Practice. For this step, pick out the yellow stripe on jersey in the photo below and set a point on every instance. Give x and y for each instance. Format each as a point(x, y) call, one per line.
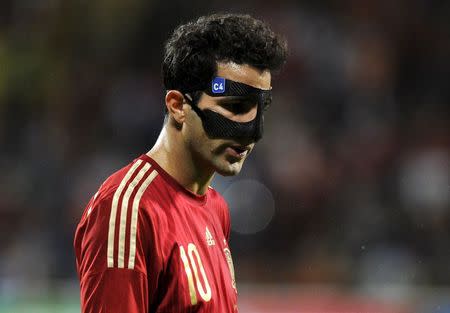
point(124, 211)
point(134, 215)
point(112, 218)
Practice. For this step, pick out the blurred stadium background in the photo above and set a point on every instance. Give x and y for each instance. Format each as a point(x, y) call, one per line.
point(343, 207)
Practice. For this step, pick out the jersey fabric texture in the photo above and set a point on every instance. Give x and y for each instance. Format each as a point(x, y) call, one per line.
point(147, 244)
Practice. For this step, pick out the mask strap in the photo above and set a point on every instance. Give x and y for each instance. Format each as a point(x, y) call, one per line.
point(192, 98)
point(222, 87)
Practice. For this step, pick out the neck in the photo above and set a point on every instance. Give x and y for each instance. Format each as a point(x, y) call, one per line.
point(172, 154)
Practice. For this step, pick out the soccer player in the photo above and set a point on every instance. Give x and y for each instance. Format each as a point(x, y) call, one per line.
point(154, 238)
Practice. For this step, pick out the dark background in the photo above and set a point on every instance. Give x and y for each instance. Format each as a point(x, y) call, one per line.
point(355, 159)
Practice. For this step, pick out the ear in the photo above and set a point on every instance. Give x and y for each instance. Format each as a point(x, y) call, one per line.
point(174, 104)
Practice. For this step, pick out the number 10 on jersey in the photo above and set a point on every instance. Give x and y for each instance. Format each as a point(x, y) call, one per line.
point(190, 265)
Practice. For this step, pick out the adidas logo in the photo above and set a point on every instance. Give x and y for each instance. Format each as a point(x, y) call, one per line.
point(209, 238)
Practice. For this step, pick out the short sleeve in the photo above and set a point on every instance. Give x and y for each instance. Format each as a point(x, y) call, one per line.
point(115, 251)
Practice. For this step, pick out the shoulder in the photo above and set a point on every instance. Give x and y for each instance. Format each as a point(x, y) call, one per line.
point(113, 225)
point(216, 198)
point(127, 185)
point(116, 202)
point(219, 205)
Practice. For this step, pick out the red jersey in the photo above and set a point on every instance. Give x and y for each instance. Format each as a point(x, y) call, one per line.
point(147, 244)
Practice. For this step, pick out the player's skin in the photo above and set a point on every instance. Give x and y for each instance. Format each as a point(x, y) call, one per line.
point(184, 150)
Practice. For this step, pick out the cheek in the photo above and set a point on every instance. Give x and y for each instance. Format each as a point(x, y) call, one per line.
point(198, 132)
point(198, 139)
point(193, 125)
point(194, 133)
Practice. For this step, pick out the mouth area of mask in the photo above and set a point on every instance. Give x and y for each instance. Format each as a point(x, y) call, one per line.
point(218, 126)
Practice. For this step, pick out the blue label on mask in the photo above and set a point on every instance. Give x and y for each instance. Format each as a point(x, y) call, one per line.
point(218, 85)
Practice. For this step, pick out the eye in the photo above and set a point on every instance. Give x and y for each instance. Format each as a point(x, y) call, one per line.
point(238, 107)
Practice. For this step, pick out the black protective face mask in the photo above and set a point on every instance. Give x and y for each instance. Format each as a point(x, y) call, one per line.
point(218, 126)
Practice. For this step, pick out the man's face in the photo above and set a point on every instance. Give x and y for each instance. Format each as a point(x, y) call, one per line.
point(225, 156)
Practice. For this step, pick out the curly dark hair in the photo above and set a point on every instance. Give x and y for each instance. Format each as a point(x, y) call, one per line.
point(193, 50)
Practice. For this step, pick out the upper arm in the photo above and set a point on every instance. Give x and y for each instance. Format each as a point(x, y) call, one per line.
point(115, 250)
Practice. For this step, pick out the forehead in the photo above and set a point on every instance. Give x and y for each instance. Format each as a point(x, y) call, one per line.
point(244, 73)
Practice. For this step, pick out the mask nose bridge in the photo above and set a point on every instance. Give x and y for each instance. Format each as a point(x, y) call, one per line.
point(218, 126)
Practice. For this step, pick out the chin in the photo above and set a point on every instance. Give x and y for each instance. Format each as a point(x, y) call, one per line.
point(229, 169)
